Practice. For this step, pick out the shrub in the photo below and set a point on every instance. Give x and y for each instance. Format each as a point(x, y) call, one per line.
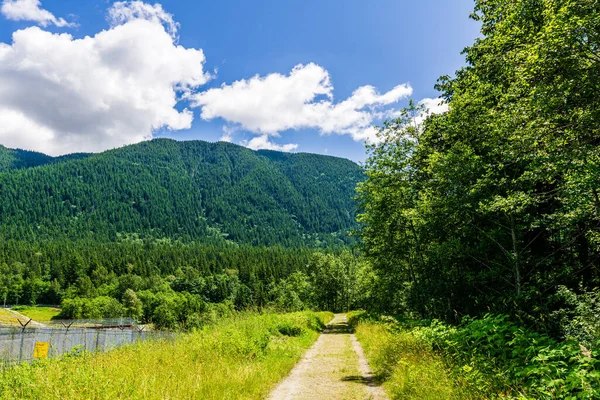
point(407, 365)
point(164, 317)
point(488, 357)
point(96, 308)
point(287, 328)
point(493, 353)
point(355, 317)
point(579, 319)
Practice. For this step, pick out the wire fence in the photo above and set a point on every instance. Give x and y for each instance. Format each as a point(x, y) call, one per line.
point(106, 323)
point(25, 343)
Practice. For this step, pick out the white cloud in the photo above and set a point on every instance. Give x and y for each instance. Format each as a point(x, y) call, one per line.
point(14, 123)
point(122, 12)
point(432, 106)
point(31, 10)
point(228, 132)
point(303, 99)
point(263, 143)
point(59, 94)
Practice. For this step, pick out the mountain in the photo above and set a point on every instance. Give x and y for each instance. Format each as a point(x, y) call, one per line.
point(13, 159)
point(189, 191)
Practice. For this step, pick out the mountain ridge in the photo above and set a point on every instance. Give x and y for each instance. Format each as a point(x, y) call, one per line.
point(191, 190)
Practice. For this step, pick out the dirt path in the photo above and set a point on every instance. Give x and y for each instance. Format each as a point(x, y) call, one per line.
point(333, 368)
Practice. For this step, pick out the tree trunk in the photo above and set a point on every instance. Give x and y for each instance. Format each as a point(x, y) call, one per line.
point(515, 253)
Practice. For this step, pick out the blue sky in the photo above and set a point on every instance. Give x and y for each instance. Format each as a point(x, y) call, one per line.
point(383, 43)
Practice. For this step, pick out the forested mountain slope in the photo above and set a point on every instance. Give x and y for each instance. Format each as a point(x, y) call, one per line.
point(13, 159)
point(207, 192)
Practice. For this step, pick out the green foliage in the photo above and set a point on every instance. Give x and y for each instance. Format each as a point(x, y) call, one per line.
point(495, 354)
point(164, 317)
point(338, 281)
point(132, 304)
point(293, 293)
point(16, 159)
point(406, 365)
point(494, 204)
point(330, 281)
point(174, 310)
point(54, 271)
point(289, 329)
point(579, 318)
point(91, 308)
point(356, 317)
point(489, 357)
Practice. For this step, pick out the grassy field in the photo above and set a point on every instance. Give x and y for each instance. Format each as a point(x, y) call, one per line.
point(408, 367)
point(39, 314)
point(241, 357)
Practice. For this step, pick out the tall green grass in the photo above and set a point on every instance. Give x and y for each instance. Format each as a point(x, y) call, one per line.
point(406, 365)
point(241, 357)
point(483, 358)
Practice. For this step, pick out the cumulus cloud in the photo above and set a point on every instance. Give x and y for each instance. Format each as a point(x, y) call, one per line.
point(302, 99)
point(228, 132)
point(31, 10)
point(59, 94)
point(432, 106)
point(122, 12)
point(264, 143)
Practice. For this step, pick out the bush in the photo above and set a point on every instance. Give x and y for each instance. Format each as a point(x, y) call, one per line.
point(356, 317)
point(495, 354)
point(579, 319)
point(96, 308)
point(164, 317)
point(289, 329)
point(488, 357)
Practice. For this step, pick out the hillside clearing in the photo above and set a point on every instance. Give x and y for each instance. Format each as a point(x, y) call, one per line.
point(38, 313)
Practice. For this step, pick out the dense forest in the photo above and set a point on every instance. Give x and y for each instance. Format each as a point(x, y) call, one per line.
point(494, 205)
point(482, 224)
point(168, 225)
point(190, 191)
point(175, 285)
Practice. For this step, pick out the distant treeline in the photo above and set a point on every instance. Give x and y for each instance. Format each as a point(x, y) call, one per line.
point(173, 284)
point(49, 272)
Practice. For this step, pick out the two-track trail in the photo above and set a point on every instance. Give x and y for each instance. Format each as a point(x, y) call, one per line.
point(333, 368)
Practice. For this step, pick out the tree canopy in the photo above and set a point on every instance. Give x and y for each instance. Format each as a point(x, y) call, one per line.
point(494, 204)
